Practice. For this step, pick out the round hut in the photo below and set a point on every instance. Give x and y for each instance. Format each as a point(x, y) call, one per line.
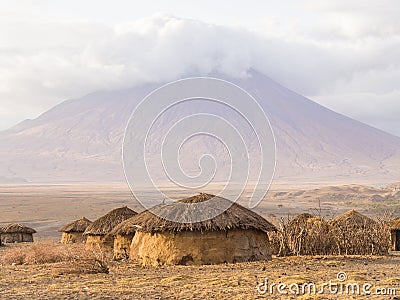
point(235, 235)
point(123, 235)
point(395, 234)
point(355, 234)
point(73, 232)
point(97, 233)
point(17, 233)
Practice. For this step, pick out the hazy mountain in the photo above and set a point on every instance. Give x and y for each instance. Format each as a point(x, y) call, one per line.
point(81, 139)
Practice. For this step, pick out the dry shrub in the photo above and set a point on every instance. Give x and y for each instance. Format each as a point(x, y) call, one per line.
point(304, 235)
point(362, 239)
point(72, 258)
point(313, 238)
point(279, 240)
point(92, 262)
point(36, 253)
point(16, 256)
point(275, 242)
point(309, 235)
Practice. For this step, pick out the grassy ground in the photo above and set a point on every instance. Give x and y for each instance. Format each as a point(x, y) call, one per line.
point(128, 280)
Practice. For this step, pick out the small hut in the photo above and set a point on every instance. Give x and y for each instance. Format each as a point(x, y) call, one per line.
point(355, 234)
point(123, 235)
point(16, 233)
point(97, 233)
point(395, 234)
point(73, 232)
point(236, 234)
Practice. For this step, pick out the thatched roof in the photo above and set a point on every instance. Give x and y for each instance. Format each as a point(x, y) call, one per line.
point(235, 217)
point(106, 223)
point(76, 226)
point(17, 228)
point(395, 224)
point(126, 227)
point(352, 218)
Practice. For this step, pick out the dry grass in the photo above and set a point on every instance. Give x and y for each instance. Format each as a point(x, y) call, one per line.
point(37, 253)
point(73, 259)
point(225, 281)
point(307, 235)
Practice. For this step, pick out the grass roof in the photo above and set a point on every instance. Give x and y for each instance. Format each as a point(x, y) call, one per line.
point(106, 223)
point(395, 224)
point(235, 217)
point(17, 228)
point(76, 226)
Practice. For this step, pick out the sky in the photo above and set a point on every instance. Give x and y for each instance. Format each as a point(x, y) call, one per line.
point(344, 55)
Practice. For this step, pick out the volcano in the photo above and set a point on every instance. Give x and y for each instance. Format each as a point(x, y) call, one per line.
point(80, 140)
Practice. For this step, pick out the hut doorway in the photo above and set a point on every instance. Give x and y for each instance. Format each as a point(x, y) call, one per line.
point(397, 243)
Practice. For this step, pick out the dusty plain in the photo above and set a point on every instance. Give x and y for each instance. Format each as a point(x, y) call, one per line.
point(47, 207)
point(128, 280)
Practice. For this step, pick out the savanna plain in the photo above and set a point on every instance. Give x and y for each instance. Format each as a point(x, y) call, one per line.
point(47, 269)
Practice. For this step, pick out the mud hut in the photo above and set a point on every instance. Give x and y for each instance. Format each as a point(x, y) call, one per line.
point(355, 234)
point(16, 233)
point(123, 235)
point(236, 234)
point(73, 232)
point(395, 234)
point(97, 233)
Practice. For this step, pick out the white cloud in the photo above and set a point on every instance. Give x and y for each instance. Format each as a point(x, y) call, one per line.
point(341, 56)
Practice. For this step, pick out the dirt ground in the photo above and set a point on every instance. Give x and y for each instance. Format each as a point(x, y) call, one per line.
point(128, 280)
point(48, 207)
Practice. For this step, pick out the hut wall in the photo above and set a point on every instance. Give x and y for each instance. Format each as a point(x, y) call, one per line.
point(194, 247)
point(16, 237)
point(395, 239)
point(72, 238)
point(122, 245)
point(11, 238)
point(27, 237)
point(94, 241)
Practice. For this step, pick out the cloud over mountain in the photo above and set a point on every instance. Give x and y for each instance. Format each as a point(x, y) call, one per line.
point(351, 62)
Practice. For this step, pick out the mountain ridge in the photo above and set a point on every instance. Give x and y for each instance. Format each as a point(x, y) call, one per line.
point(80, 139)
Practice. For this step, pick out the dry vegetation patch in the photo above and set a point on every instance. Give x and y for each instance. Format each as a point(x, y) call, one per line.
point(226, 281)
point(68, 259)
point(348, 234)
